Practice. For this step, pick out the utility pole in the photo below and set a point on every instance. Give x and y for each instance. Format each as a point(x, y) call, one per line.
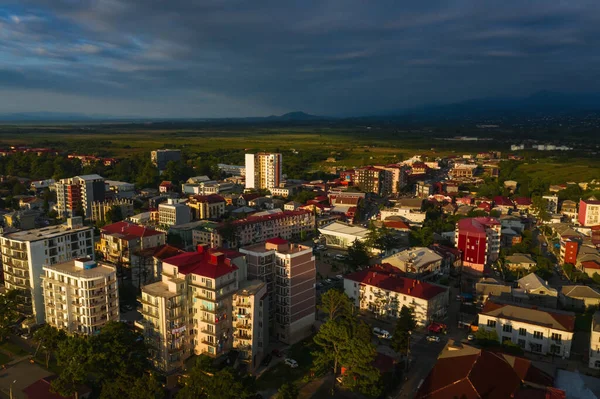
point(11, 391)
point(407, 350)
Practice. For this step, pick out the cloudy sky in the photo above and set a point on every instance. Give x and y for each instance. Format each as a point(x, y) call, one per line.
point(214, 58)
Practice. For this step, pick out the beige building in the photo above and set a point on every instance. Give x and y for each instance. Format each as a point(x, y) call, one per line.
point(250, 316)
point(80, 295)
point(207, 206)
point(520, 261)
point(594, 360)
point(533, 329)
point(120, 241)
point(418, 261)
point(263, 170)
point(578, 297)
point(173, 213)
point(25, 253)
point(189, 311)
point(383, 292)
point(290, 273)
point(101, 208)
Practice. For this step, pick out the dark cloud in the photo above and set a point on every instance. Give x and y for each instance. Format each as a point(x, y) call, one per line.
point(231, 58)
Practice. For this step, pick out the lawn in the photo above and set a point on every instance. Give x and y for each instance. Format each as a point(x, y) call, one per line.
point(4, 358)
point(16, 350)
point(281, 373)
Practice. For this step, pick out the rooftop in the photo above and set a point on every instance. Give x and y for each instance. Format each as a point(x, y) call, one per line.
point(83, 268)
point(533, 282)
point(211, 263)
point(279, 245)
point(250, 287)
point(519, 258)
point(558, 320)
point(477, 225)
point(128, 231)
point(418, 258)
point(159, 289)
point(392, 282)
point(344, 228)
point(44, 233)
point(579, 291)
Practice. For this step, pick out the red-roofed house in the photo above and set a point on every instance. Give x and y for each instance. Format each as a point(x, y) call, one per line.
point(478, 239)
point(505, 204)
point(590, 267)
point(166, 186)
point(384, 292)
point(522, 203)
point(41, 389)
point(119, 241)
point(189, 311)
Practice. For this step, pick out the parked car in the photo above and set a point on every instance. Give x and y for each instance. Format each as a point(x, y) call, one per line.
point(381, 333)
point(433, 338)
point(319, 285)
point(266, 360)
point(291, 362)
point(322, 248)
point(339, 277)
point(25, 336)
point(470, 337)
point(328, 281)
point(340, 257)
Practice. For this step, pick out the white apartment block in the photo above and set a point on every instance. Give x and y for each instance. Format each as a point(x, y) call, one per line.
point(80, 295)
point(251, 322)
point(25, 253)
point(384, 293)
point(190, 310)
point(537, 330)
point(173, 213)
point(79, 191)
point(263, 170)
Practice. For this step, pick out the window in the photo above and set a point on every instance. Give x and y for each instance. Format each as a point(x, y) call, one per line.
point(536, 347)
point(555, 349)
point(522, 332)
point(521, 343)
point(491, 323)
point(538, 335)
point(504, 339)
point(507, 328)
point(556, 337)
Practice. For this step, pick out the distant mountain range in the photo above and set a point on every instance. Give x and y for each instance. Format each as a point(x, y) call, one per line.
point(538, 104)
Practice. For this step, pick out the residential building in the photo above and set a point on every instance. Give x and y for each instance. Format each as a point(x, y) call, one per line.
point(373, 180)
point(166, 186)
point(148, 262)
point(289, 270)
point(342, 235)
point(25, 253)
point(234, 170)
point(423, 189)
point(537, 330)
point(418, 262)
point(207, 206)
point(551, 203)
point(76, 194)
point(589, 212)
point(160, 158)
point(537, 291)
point(173, 213)
point(207, 187)
point(488, 287)
point(250, 316)
point(413, 216)
point(263, 170)
point(101, 208)
point(568, 251)
point(504, 204)
point(594, 358)
point(461, 171)
point(578, 297)
point(189, 311)
point(285, 191)
point(384, 292)
point(120, 241)
point(255, 229)
point(207, 233)
point(569, 209)
point(398, 176)
point(80, 295)
point(120, 189)
point(520, 261)
point(463, 371)
point(479, 241)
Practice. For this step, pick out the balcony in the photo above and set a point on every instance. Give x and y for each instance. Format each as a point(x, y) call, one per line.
point(243, 326)
point(215, 309)
point(209, 343)
point(246, 316)
point(244, 336)
point(243, 304)
point(150, 313)
point(209, 332)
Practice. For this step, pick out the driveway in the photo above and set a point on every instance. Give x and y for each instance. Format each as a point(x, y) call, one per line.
point(20, 376)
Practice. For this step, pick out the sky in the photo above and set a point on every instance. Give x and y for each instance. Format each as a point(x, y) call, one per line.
point(229, 58)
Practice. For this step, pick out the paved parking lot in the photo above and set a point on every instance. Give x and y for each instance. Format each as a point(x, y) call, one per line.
point(22, 374)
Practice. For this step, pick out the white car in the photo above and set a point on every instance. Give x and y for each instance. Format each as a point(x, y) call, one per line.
point(340, 257)
point(433, 338)
point(291, 362)
point(470, 337)
point(381, 333)
point(339, 277)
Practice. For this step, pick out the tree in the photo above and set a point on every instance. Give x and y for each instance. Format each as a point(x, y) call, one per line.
point(332, 338)
point(486, 337)
point(336, 304)
point(223, 384)
point(404, 326)
point(359, 373)
point(73, 357)
point(8, 312)
point(288, 390)
point(539, 207)
point(358, 255)
point(144, 387)
point(49, 338)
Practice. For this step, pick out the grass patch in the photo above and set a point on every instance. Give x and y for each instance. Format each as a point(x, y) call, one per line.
point(281, 373)
point(4, 358)
point(583, 322)
point(16, 350)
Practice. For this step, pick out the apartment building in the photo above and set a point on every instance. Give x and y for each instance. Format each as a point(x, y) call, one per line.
point(594, 359)
point(190, 310)
point(160, 158)
point(417, 262)
point(101, 208)
point(373, 180)
point(383, 292)
point(263, 170)
point(479, 241)
point(25, 253)
point(250, 316)
point(289, 271)
point(120, 241)
point(537, 330)
point(80, 295)
point(255, 229)
point(569, 248)
point(206, 206)
point(459, 171)
point(589, 212)
point(173, 213)
point(398, 176)
point(120, 189)
point(78, 193)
